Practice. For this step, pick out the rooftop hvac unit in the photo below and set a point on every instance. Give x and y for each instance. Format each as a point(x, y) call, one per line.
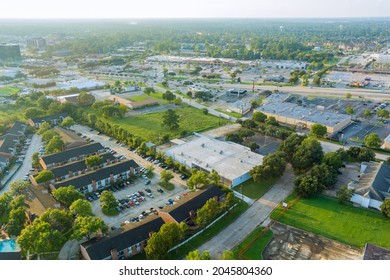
point(220, 152)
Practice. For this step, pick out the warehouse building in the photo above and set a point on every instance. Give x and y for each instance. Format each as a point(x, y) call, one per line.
point(294, 114)
point(232, 161)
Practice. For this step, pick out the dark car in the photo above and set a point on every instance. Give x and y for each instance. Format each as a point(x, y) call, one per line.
point(141, 193)
point(160, 190)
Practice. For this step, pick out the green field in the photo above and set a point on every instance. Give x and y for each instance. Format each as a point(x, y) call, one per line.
point(343, 223)
point(255, 190)
point(150, 128)
point(9, 90)
point(254, 252)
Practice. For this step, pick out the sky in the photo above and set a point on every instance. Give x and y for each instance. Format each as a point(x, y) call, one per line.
point(193, 9)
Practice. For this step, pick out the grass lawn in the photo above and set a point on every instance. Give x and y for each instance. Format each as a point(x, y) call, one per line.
point(255, 251)
point(150, 128)
point(183, 250)
point(168, 187)
point(110, 212)
point(139, 97)
point(343, 223)
point(255, 190)
point(9, 90)
point(233, 114)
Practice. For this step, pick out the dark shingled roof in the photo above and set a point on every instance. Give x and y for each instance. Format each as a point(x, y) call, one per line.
point(99, 249)
point(17, 128)
point(10, 142)
point(77, 166)
point(71, 153)
point(381, 185)
point(374, 252)
point(11, 256)
point(181, 213)
point(97, 175)
point(50, 118)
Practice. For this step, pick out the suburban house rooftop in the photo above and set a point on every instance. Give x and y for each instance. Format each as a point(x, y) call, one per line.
point(71, 153)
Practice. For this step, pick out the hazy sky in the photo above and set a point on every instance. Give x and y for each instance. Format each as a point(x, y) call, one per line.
point(192, 9)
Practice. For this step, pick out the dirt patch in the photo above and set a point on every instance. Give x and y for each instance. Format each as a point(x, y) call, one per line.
point(223, 130)
point(289, 243)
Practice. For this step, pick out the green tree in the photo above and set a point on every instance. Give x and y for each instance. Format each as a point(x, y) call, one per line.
point(67, 195)
point(55, 145)
point(156, 248)
point(166, 176)
point(253, 146)
point(273, 166)
point(318, 130)
point(17, 201)
point(108, 200)
point(18, 187)
point(367, 113)
point(207, 213)
point(68, 122)
point(85, 226)
point(259, 117)
point(45, 126)
point(307, 186)
point(333, 159)
point(39, 238)
point(344, 194)
point(168, 95)
point(33, 112)
point(60, 220)
point(214, 178)
point(54, 108)
point(197, 179)
point(349, 110)
point(35, 160)
point(228, 255)
point(385, 207)
point(348, 95)
point(383, 113)
point(308, 153)
point(325, 174)
point(372, 140)
point(48, 135)
point(44, 176)
point(149, 90)
point(171, 119)
point(85, 98)
point(17, 221)
point(171, 233)
point(5, 209)
point(195, 255)
point(81, 207)
point(291, 144)
point(93, 160)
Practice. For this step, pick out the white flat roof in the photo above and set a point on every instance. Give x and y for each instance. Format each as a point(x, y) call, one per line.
point(229, 159)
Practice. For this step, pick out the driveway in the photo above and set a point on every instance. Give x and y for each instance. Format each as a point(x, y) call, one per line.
point(256, 215)
point(36, 142)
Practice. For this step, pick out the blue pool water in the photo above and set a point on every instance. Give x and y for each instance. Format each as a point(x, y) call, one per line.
point(8, 246)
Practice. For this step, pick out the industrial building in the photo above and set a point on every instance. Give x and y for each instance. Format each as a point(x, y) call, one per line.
point(293, 114)
point(232, 161)
point(9, 52)
point(38, 43)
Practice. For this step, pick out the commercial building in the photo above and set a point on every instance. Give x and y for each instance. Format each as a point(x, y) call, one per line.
point(9, 143)
point(386, 144)
point(38, 43)
point(9, 52)
point(232, 161)
point(293, 114)
point(373, 185)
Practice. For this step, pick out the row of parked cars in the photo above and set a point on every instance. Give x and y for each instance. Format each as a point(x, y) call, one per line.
point(132, 200)
point(96, 195)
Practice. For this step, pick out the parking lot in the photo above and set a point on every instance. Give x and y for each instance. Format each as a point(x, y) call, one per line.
point(131, 193)
point(357, 131)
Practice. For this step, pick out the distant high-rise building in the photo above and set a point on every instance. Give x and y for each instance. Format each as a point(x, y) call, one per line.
point(38, 43)
point(9, 52)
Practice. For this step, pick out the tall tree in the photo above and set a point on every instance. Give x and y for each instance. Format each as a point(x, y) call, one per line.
point(207, 213)
point(18, 187)
point(166, 176)
point(195, 255)
point(93, 160)
point(171, 119)
point(273, 165)
point(67, 195)
point(85, 226)
point(68, 122)
point(44, 176)
point(197, 179)
point(344, 194)
point(307, 186)
point(318, 130)
point(108, 200)
point(291, 144)
point(372, 140)
point(55, 145)
point(81, 207)
point(17, 221)
point(308, 153)
point(385, 207)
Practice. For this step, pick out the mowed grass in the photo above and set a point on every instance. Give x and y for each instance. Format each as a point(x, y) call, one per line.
point(255, 190)
point(150, 128)
point(9, 90)
point(343, 223)
point(255, 251)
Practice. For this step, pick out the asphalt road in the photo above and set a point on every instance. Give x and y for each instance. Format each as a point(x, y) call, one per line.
point(256, 215)
point(332, 147)
point(36, 142)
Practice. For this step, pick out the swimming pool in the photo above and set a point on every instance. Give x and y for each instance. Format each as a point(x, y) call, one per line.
point(8, 245)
